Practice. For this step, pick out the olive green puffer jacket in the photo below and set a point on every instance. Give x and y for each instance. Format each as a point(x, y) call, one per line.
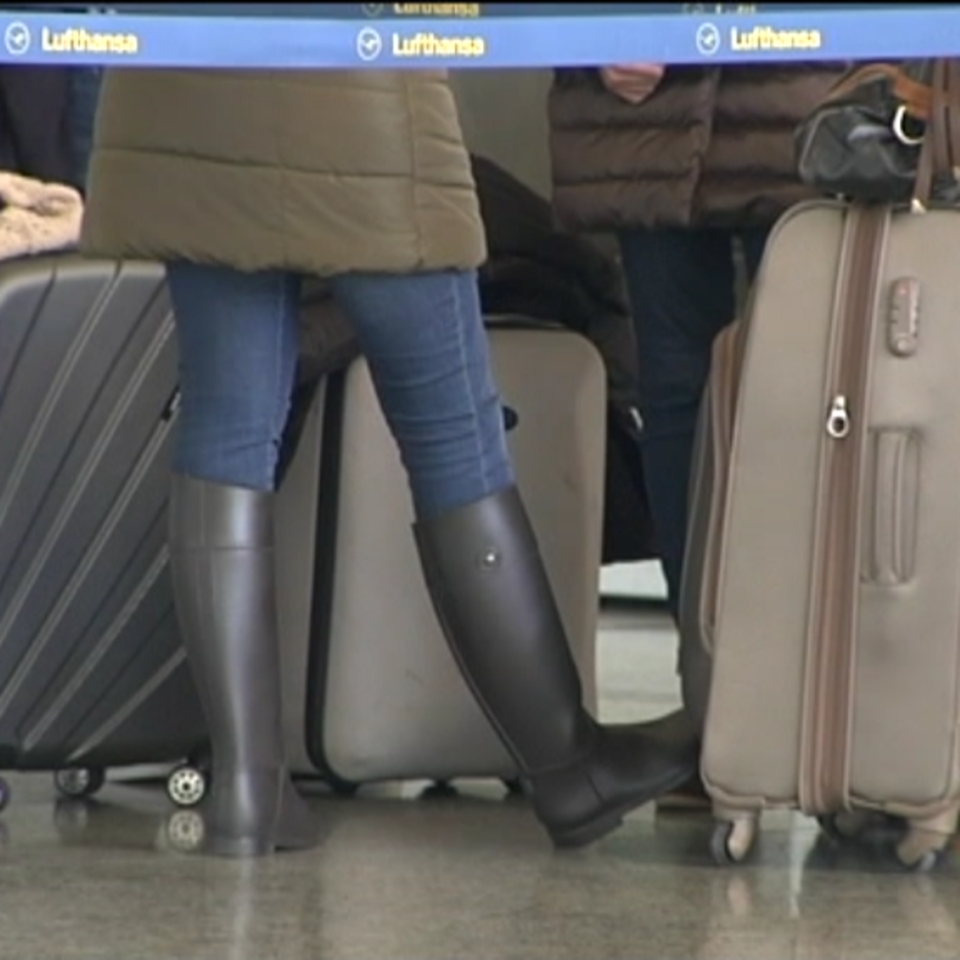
point(319, 172)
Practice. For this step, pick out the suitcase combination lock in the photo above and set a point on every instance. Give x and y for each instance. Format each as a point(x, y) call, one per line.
point(903, 320)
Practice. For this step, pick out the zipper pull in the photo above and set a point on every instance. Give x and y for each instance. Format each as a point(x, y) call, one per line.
point(838, 420)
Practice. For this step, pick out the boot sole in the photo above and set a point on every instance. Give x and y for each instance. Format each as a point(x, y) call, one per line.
point(680, 806)
point(249, 848)
point(239, 847)
point(609, 820)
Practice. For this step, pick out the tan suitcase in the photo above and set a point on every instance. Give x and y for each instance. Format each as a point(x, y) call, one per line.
point(373, 692)
point(823, 570)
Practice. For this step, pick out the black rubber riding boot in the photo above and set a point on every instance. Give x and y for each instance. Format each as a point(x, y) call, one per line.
point(221, 558)
point(494, 601)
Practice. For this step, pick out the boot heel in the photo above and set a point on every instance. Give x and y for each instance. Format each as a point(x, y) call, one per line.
point(588, 833)
point(239, 847)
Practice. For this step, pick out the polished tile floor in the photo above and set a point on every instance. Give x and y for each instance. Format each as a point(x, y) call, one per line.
point(471, 876)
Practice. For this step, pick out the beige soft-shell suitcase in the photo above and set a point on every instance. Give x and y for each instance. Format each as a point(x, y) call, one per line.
point(374, 694)
point(823, 571)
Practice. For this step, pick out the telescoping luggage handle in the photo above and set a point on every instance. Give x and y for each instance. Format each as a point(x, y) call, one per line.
point(937, 106)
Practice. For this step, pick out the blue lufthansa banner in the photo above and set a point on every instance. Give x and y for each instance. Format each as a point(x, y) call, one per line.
point(379, 36)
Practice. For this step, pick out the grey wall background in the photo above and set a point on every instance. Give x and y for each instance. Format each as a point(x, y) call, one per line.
point(504, 117)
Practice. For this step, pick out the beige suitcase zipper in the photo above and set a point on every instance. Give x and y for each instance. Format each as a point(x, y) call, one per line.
point(823, 781)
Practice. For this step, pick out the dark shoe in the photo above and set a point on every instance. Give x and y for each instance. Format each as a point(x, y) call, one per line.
point(494, 601)
point(221, 558)
point(689, 797)
point(626, 769)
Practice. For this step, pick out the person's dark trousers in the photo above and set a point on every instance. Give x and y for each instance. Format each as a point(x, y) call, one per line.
point(682, 288)
point(34, 122)
point(84, 95)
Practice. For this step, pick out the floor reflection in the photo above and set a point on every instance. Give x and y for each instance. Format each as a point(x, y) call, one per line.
point(469, 874)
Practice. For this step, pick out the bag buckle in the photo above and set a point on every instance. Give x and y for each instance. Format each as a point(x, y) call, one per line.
point(898, 130)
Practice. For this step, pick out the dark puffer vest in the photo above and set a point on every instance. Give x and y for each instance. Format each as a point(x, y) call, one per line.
point(710, 148)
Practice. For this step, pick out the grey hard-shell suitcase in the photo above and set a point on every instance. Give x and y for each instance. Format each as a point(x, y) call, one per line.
point(92, 671)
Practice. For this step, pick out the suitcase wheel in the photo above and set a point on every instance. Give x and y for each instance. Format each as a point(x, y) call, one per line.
point(187, 786)
point(920, 850)
point(514, 787)
point(848, 826)
point(76, 783)
point(732, 840)
point(186, 831)
point(439, 790)
point(343, 788)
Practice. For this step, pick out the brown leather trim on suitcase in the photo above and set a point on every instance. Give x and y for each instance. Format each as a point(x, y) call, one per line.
point(726, 367)
point(723, 383)
point(832, 625)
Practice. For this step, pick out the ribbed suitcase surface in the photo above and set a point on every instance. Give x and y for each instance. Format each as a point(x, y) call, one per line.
point(92, 671)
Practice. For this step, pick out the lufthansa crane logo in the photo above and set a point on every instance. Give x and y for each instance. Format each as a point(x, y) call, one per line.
point(369, 44)
point(16, 38)
point(708, 39)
